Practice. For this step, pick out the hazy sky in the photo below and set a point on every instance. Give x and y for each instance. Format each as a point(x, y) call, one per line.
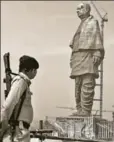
point(43, 29)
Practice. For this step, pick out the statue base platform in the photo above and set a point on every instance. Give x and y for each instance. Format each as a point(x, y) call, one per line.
point(85, 127)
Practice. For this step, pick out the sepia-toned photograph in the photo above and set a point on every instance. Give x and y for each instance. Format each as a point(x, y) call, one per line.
point(57, 71)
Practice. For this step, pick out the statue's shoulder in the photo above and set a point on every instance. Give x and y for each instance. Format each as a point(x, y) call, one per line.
point(93, 19)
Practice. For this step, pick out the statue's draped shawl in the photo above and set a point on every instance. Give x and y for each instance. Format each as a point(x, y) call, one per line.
point(86, 41)
point(90, 37)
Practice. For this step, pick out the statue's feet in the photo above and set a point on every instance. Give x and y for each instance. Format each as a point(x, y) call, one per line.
point(77, 113)
point(81, 113)
point(84, 113)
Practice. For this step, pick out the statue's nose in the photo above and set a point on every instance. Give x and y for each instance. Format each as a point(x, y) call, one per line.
point(78, 11)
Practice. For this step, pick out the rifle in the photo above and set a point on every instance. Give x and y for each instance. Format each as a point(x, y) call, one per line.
point(7, 80)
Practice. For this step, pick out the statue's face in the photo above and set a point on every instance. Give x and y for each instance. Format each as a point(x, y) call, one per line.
point(82, 10)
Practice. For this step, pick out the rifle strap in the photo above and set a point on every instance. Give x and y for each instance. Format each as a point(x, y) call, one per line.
point(16, 112)
point(21, 104)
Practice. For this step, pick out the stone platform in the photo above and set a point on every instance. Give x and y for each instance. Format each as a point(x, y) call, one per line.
point(83, 127)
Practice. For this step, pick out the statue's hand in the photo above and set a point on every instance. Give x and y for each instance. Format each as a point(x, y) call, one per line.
point(96, 60)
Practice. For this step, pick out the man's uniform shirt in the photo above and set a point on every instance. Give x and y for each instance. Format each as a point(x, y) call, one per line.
point(20, 84)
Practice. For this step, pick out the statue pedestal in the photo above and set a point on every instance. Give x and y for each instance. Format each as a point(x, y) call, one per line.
point(86, 127)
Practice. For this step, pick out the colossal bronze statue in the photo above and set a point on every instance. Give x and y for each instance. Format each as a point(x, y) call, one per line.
point(87, 54)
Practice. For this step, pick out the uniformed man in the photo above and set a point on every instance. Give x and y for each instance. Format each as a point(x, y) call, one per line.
point(87, 54)
point(21, 83)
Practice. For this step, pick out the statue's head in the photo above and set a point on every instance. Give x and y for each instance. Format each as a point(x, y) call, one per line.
point(83, 10)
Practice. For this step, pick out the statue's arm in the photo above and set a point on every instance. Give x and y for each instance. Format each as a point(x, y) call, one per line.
point(98, 54)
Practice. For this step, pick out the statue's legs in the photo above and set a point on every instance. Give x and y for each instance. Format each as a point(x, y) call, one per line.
point(78, 84)
point(84, 93)
point(87, 93)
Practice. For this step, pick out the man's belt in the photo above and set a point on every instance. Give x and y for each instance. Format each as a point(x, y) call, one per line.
point(25, 124)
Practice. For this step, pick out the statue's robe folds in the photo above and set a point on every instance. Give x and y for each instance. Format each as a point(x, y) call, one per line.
point(86, 43)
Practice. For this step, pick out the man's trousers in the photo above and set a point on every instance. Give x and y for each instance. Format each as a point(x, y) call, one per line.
point(21, 135)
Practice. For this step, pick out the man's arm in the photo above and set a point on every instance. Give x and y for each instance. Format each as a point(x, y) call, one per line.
point(17, 89)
